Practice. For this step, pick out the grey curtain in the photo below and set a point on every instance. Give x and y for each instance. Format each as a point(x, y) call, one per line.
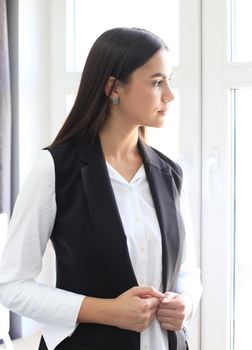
point(5, 114)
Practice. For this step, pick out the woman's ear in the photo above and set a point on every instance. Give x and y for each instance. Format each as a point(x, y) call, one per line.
point(112, 87)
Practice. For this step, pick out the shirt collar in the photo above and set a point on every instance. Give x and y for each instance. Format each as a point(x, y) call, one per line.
point(115, 175)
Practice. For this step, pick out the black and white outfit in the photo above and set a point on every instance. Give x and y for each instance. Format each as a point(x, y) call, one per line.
point(108, 234)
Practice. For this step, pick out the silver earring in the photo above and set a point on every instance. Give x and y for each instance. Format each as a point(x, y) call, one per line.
point(115, 100)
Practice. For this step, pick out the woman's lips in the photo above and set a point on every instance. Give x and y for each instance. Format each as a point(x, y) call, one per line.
point(163, 111)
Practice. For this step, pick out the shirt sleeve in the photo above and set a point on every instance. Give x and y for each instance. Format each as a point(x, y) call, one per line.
point(189, 280)
point(29, 231)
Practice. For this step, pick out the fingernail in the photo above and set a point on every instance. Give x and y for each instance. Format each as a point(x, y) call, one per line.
point(165, 300)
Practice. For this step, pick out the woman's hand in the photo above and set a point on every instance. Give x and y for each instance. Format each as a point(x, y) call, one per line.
point(132, 310)
point(173, 310)
point(136, 308)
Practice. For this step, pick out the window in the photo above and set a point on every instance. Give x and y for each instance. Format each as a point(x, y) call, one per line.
point(227, 86)
point(240, 26)
point(85, 22)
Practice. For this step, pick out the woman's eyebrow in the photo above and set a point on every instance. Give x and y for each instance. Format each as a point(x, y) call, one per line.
point(162, 75)
point(159, 75)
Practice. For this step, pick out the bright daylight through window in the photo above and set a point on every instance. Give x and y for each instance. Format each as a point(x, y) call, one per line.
point(242, 213)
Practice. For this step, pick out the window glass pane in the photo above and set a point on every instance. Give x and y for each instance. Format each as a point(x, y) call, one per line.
point(70, 36)
point(242, 215)
point(87, 20)
point(241, 27)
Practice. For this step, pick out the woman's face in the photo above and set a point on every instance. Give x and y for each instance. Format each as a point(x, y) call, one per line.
point(145, 99)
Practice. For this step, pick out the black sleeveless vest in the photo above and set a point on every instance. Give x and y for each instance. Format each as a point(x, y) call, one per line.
point(89, 241)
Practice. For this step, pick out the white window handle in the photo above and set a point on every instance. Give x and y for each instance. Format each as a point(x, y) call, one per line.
point(211, 168)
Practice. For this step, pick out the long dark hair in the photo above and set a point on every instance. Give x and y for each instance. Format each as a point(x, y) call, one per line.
point(117, 52)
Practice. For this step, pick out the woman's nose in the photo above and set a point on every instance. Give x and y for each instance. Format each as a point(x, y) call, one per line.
point(168, 95)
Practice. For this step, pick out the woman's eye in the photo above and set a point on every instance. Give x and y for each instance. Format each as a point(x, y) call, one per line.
point(157, 82)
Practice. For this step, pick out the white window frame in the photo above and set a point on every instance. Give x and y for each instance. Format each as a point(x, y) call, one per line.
point(218, 78)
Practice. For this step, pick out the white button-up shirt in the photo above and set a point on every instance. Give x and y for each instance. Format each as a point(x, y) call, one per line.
point(30, 229)
point(142, 230)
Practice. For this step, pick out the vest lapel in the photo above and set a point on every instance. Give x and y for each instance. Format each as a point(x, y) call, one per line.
point(166, 201)
point(105, 215)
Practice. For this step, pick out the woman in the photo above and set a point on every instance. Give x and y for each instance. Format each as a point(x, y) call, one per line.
point(126, 275)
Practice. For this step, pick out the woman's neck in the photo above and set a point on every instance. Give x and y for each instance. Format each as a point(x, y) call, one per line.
point(120, 150)
point(119, 144)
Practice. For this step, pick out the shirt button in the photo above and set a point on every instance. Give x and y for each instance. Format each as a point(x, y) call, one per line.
point(145, 347)
point(142, 249)
point(137, 218)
